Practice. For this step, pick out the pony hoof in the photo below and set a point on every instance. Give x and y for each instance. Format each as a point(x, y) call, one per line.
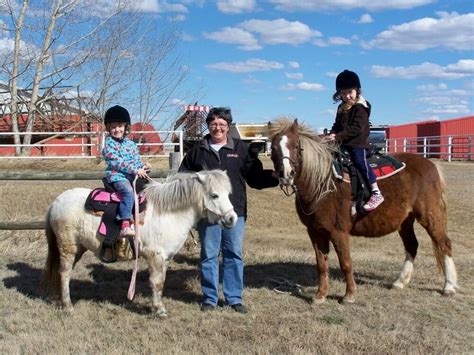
point(347, 300)
point(398, 285)
point(449, 293)
point(160, 312)
point(68, 310)
point(319, 300)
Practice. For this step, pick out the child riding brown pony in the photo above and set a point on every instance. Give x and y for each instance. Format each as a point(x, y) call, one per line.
point(304, 163)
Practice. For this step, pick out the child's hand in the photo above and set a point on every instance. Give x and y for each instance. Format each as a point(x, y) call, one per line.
point(142, 173)
point(330, 137)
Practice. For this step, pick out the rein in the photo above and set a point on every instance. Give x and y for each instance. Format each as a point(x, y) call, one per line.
point(136, 240)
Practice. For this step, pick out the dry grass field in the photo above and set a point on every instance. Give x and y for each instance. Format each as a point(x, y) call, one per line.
point(416, 320)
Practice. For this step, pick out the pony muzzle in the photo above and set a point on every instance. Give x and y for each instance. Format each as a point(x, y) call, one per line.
point(229, 220)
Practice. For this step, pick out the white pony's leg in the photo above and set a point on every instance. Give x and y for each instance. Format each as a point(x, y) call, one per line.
point(451, 278)
point(158, 267)
point(405, 274)
point(66, 264)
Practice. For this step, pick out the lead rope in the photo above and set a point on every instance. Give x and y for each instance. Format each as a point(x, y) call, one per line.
point(136, 240)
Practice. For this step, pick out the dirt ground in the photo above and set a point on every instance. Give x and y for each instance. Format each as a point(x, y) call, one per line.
point(416, 320)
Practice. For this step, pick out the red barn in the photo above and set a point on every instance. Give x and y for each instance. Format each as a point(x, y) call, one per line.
point(148, 143)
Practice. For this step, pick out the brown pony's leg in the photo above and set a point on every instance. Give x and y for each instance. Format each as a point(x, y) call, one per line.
point(158, 267)
point(407, 233)
point(434, 221)
point(341, 243)
point(320, 243)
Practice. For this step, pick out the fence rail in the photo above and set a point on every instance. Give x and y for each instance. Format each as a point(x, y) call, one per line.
point(453, 147)
point(60, 145)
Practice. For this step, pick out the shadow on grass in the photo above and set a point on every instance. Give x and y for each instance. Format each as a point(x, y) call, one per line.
point(111, 284)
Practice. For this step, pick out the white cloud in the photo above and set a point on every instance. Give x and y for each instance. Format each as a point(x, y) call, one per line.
point(294, 65)
point(272, 32)
point(438, 99)
point(317, 5)
point(331, 74)
point(432, 87)
point(145, 5)
point(251, 81)
point(290, 98)
point(297, 76)
point(451, 31)
point(178, 18)
point(320, 42)
point(163, 6)
point(236, 6)
point(177, 102)
point(365, 18)
point(461, 69)
point(249, 66)
point(303, 86)
point(27, 51)
point(280, 31)
point(339, 41)
point(104, 8)
point(233, 35)
point(187, 37)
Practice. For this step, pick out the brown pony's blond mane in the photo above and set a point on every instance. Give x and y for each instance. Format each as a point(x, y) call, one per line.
point(316, 158)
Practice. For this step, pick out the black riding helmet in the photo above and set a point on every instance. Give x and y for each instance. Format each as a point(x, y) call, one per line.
point(347, 80)
point(117, 114)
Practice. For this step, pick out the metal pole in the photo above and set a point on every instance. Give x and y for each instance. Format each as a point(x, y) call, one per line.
point(450, 148)
point(181, 145)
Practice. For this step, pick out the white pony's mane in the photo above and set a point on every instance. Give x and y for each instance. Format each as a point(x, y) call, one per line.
point(182, 190)
point(316, 156)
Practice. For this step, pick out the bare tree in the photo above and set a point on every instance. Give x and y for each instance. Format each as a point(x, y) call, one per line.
point(160, 74)
point(119, 58)
point(18, 23)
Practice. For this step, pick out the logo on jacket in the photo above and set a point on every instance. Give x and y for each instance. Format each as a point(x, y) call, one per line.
point(232, 155)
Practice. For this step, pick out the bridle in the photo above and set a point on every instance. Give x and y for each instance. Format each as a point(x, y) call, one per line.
point(293, 189)
point(295, 164)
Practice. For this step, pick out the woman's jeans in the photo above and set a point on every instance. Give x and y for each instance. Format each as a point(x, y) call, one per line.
point(127, 199)
point(230, 241)
point(359, 159)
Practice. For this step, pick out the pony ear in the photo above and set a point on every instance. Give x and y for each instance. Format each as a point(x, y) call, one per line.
point(294, 126)
point(201, 177)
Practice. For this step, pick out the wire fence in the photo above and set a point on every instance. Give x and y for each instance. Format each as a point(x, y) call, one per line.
point(452, 147)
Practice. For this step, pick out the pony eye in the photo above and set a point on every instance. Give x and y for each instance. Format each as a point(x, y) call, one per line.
point(214, 196)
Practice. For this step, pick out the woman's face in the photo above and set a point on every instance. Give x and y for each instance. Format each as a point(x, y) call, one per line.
point(349, 95)
point(116, 129)
point(218, 128)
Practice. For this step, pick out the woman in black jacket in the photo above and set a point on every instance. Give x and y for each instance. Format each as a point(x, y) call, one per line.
point(219, 151)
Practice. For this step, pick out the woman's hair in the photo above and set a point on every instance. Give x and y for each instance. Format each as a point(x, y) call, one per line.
point(221, 112)
point(126, 131)
point(336, 97)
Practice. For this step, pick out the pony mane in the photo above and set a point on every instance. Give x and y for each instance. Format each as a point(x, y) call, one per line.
point(316, 158)
point(181, 190)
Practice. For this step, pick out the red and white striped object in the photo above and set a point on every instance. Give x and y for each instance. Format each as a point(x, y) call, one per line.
point(201, 108)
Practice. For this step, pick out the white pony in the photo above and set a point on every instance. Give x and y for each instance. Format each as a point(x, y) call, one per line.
point(173, 208)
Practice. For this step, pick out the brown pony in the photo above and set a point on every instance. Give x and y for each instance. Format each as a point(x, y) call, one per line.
point(304, 163)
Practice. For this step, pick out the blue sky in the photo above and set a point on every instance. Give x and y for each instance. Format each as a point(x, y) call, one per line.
point(270, 58)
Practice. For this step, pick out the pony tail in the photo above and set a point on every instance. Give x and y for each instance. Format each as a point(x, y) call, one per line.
point(438, 250)
point(50, 282)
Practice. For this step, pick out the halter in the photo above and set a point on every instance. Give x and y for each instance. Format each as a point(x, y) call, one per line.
point(286, 189)
point(294, 189)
